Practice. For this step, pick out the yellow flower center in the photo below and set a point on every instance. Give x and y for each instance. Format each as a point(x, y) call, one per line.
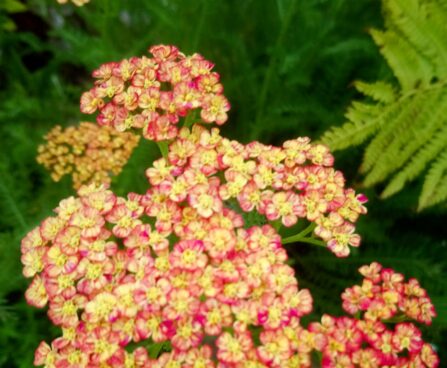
point(125, 222)
point(153, 294)
point(69, 308)
point(189, 256)
point(94, 271)
point(206, 201)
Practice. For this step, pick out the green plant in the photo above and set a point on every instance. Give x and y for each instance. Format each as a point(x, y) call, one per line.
point(45, 65)
point(405, 122)
point(8, 7)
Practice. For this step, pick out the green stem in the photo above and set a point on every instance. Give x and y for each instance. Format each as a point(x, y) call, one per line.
point(300, 235)
point(276, 225)
point(163, 146)
point(13, 206)
point(191, 118)
point(272, 63)
point(397, 319)
point(313, 241)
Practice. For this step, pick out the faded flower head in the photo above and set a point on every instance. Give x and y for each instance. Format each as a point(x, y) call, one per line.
point(89, 153)
point(76, 2)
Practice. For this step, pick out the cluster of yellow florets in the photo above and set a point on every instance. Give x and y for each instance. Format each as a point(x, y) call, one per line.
point(76, 2)
point(88, 152)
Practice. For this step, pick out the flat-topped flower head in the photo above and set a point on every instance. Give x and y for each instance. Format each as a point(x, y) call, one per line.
point(111, 275)
point(153, 94)
point(75, 2)
point(184, 271)
point(210, 172)
point(89, 153)
point(376, 337)
point(384, 294)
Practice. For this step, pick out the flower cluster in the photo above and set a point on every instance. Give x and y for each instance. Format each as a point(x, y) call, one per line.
point(284, 183)
point(88, 152)
point(384, 294)
point(154, 93)
point(110, 278)
point(368, 341)
point(176, 277)
point(76, 2)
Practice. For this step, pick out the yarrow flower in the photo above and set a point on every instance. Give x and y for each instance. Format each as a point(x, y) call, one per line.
point(179, 269)
point(111, 278)
point(367, 340)
point(152, 94)
point(106, 277)
point(209, 171)
point(384, 294)
point(89, 153)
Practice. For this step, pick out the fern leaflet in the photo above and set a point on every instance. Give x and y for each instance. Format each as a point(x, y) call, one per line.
point(407, 123)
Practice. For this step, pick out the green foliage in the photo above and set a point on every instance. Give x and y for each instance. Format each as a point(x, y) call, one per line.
point(406, 124)
point(435, 187)
point(8, 7)
point(313, 49)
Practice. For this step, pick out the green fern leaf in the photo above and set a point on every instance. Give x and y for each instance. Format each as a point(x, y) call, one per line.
point(407, 109)
point(418, 163)
point(434, 189)
point(407, 64)
point(379, 91)
point(414, 20)
point(407, 125)
point(424, 117)
point(364, 121)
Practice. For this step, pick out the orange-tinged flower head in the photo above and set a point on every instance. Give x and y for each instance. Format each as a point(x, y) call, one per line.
point(75, 2)
point(89, 153)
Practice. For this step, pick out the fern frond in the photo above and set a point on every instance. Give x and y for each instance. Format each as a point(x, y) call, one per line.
point(407, 109)
point(434, 189)
point(378, 91)
point(426, 113)
point(364, 121)
point(421, 23)
point(408, 123)
point(409, 67)
point(417, 164)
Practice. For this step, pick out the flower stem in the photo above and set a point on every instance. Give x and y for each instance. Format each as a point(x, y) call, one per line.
point(300, 235)
point(277, 225)
point(313, 241)
point(163, 147)
point(191, 118)
point(397, 319)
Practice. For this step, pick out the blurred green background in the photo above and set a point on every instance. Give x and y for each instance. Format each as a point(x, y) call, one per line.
point(287, 67)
